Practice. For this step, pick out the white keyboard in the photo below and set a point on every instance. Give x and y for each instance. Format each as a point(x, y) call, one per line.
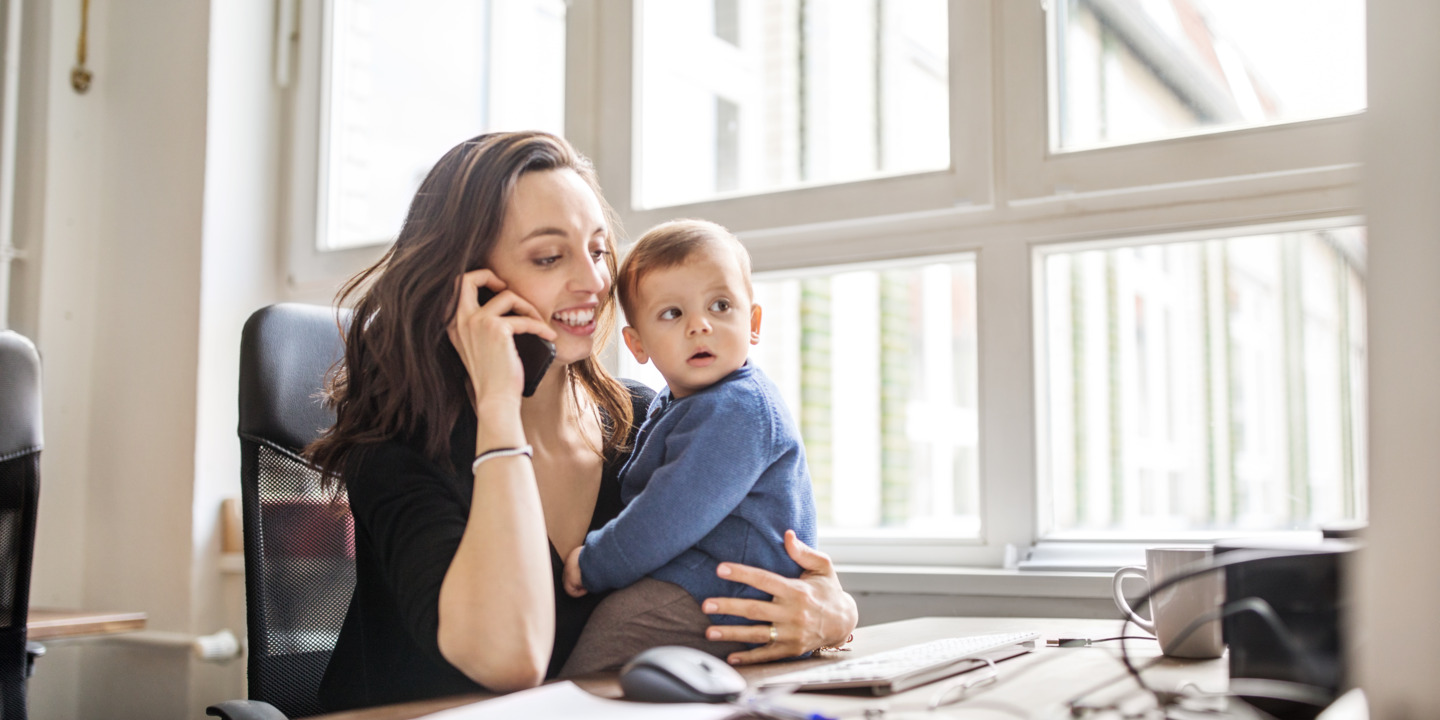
point(903, 668)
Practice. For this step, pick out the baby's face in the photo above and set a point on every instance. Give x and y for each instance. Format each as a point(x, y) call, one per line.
point(696, 320)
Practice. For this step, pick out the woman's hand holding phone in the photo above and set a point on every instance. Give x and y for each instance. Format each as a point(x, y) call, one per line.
point(484, 335)
point(536, 353)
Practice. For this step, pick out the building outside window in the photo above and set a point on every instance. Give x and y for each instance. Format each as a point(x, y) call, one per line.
point(1127, 71)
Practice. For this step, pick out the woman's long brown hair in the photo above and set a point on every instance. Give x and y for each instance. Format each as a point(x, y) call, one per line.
point(401, 378)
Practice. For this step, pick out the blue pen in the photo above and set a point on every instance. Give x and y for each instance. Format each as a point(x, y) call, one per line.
point(769, 709)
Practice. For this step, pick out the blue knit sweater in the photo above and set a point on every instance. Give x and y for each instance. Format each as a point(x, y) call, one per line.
point(717, 476)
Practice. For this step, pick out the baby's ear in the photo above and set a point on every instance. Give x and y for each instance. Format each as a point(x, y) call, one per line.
point(755, 324)
point(632, 341)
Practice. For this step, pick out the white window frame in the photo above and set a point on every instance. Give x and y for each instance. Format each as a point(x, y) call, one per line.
point(1309, 154)
point(1005, 198)
point(962, 184)
point(309, 273)
point(312, 274)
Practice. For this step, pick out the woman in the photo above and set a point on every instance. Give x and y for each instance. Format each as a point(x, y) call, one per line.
point(467, 496)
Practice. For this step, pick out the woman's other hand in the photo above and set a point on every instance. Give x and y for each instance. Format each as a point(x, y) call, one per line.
point(806, 613)
point(484, 335)
point(573, 585)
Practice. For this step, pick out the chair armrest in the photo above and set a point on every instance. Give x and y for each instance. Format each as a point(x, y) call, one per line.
point(245, 710)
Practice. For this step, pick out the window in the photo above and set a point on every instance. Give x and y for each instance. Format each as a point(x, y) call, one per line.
point(1206, 384)
point(727, 21)
point(841, 110)
point(388, 88)
point(1034, 272)
point(1063, 204)
point(878, 367)
point(821, 92)
point(406, 82)
point(1129, 71)
point(1151, 93)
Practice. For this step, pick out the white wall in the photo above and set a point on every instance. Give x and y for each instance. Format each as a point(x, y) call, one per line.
point(239, 273)
point(150, 95)
point(1399, 588)
point(149, 209)
point(118, 262)
point(58, 148)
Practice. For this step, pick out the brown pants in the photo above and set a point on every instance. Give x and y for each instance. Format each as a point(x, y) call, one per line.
point(645, 615)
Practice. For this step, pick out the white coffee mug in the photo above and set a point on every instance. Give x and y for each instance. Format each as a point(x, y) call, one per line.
point(1176, 608)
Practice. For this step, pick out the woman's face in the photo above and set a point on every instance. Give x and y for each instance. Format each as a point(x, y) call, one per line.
point(552, 252)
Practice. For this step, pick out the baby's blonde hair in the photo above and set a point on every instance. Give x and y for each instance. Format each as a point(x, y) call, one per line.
point(667, 245)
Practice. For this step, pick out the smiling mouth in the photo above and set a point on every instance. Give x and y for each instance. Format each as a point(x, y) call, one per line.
point(575, 318)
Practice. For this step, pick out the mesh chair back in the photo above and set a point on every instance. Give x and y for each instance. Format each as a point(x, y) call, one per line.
point(20, 441)
point(299, 540)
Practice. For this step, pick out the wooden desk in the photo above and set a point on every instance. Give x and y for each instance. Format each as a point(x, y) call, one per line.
point(50, 624)
point(1038, 684)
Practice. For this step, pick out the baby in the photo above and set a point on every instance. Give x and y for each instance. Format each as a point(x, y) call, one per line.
point(718, 471)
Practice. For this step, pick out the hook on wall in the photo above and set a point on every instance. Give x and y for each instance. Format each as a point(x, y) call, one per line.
point(80, 76)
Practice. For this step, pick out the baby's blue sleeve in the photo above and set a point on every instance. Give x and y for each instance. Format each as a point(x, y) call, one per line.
point(719, 451)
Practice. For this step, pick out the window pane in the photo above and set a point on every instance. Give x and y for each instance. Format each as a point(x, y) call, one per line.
point(878, 369)
point(745, 96)
point(1211, 385)
point(409, 80)
point(1128, 71)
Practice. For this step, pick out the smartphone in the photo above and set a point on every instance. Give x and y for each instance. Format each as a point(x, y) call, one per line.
point(536, 353)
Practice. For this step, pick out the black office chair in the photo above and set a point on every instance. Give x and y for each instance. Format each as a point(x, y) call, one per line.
point(20, 441)
point(299, 539)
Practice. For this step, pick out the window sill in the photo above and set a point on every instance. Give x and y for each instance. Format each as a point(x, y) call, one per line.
point(1072, 568)
point(921, 580)
point(972, 581)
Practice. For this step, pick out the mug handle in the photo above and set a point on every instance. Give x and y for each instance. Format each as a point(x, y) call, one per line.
point(1124, 604)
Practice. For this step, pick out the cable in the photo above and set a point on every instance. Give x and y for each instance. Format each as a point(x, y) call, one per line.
point(1069, 642)
point(1231, 558)
point(1234, 557)
point(1078, 709)
point(1271, 689)
point(1272, 621)
point(965, 685)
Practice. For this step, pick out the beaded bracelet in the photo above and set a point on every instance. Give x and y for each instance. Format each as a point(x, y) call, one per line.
point(525, 450)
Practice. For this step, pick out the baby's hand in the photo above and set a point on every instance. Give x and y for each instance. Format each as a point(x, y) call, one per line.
point(573, 585)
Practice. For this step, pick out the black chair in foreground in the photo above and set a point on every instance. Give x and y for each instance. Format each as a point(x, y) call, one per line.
point(299, 538)
point(20, 442)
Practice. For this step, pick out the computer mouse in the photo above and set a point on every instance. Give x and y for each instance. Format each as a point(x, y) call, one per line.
point(671, 673)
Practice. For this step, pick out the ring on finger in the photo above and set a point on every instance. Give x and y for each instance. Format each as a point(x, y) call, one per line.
point(774, 634)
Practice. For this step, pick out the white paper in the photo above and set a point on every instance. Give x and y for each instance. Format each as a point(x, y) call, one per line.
point(568, 701)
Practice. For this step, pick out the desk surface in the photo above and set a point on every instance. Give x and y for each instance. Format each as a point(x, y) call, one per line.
point(1091, 676)
point(50, 624)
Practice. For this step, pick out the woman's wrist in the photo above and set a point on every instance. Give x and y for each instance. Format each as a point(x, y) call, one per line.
point(498, 410)
point(499, 418)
